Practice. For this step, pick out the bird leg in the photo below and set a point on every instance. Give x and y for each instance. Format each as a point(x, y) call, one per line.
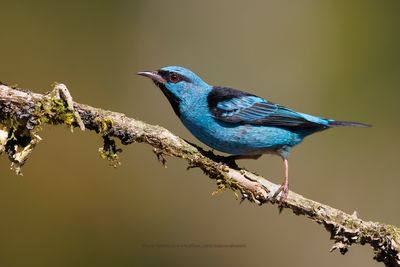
point(284, 188)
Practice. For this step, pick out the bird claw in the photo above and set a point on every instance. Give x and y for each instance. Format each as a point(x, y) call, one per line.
point(281, 193)
point(223, 166)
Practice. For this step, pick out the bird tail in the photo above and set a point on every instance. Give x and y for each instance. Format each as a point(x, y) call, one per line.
point(347, 123)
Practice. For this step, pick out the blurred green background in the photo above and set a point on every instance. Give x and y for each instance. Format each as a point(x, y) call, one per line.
point(339, 59)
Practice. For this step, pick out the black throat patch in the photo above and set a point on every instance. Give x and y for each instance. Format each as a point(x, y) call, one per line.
point(173, 100)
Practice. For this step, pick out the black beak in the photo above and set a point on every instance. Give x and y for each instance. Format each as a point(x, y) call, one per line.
point(153, 75)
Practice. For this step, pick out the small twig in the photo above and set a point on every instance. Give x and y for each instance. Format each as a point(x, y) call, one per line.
point(62, 92)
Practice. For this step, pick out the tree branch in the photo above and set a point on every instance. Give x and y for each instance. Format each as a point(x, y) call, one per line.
point(22, 113)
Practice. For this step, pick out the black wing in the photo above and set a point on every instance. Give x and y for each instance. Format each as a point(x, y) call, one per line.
point(234, 106)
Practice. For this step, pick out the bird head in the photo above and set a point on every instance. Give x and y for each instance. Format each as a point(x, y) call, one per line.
point(178, 84)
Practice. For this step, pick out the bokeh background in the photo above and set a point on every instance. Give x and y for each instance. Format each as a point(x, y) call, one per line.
point(339, 59)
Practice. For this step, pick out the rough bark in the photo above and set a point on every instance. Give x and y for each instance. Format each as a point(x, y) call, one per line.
point(23, 112)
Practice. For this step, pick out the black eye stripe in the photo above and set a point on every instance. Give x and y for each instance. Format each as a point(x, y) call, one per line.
point(167, 74)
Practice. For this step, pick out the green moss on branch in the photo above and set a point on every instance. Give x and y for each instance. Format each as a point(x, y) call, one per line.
point(22, 113)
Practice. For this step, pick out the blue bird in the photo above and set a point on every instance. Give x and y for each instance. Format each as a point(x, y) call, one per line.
point(235, 122)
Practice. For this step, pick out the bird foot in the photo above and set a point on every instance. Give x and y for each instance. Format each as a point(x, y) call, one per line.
point(281, 193)
point(223, 166)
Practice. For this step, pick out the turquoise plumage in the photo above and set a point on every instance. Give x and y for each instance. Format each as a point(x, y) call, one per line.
point(236, 122)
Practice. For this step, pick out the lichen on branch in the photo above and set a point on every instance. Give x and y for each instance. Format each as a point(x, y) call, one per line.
point(23, 112)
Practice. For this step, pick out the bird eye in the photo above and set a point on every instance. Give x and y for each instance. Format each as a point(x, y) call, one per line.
point(174, 78)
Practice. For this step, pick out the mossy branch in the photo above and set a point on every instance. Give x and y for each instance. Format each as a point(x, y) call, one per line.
point(23, 112)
